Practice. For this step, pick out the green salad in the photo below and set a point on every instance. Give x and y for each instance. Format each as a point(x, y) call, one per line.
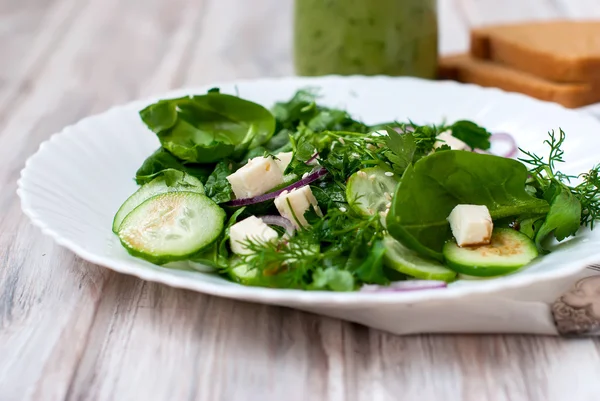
point(304, 196)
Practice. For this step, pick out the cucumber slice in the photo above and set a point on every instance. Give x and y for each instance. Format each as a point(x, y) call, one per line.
point(171, 226)
point(508, 251)
point(153, 188)
point(241, 274)
point(407, 261)
point(369, 191)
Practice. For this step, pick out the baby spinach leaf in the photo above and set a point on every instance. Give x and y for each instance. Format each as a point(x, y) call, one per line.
point(217, 187)
point(472, 134)
point(564, 215)
point(162, 160)
point(433, 186)
point(207, 128)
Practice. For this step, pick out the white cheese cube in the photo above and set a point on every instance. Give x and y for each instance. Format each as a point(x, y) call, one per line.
point(285, 158)
point(256, 178)
point(250, 229)
point(471, 225)
point(292, 205)
point(446, 138)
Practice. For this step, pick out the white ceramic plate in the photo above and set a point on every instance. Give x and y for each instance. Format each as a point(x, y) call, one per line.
point(72, 187)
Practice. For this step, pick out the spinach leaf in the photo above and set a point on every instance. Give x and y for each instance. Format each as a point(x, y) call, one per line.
point(217, 187)
point(433, 186)
point(162, 160)
point(472, 134)
point(332, 279)
point(207, 128)
point(564, 215)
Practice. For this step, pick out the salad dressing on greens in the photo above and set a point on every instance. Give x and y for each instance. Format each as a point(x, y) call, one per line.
point(326, 202)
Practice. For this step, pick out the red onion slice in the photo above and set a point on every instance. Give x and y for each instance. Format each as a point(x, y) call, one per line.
point(272, 195)
point(507, 138)
point(312, 159)
point(279, 221)
point(402, 286)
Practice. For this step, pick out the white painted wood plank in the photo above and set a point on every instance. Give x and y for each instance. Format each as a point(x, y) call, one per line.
point(48, 296)
point(253, 41)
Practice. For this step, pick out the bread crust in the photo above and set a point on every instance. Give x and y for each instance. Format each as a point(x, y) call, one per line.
point(465, 68)
point(560, 51)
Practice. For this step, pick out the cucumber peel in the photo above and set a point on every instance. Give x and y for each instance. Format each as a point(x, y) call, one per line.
point(508, 251)
point(409, 262)
point(172, 226)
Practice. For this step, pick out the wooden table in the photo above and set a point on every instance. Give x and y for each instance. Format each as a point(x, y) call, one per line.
point(72, 330)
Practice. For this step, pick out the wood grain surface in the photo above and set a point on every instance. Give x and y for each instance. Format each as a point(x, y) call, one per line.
point(70, 330)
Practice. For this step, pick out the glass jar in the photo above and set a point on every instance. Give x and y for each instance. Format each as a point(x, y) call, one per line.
point(390, 37)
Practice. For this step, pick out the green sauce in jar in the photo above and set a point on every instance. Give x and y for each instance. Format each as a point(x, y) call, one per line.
point(390, 37)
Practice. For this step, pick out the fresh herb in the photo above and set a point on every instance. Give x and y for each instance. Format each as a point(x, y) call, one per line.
point(217, 187)
point(402, 149)
point(571, 205)
point(341, 240)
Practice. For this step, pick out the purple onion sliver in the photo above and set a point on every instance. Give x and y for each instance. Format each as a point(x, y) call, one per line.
point(272, 195)
point(279, 221)
point(312, 159)
point(402, 286)
point(504, 137)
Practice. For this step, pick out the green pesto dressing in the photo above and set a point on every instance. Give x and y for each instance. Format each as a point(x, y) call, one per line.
point(390, 37)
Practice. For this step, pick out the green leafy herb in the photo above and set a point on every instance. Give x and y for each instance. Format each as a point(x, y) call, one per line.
point(340, 240)
point(217, 187)
point(571, 205)
point(402, 149)
point(208, 128)
point(433, 186)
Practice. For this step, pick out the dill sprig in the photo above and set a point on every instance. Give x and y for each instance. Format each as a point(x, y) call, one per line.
point(544, 174)
point(341, 240)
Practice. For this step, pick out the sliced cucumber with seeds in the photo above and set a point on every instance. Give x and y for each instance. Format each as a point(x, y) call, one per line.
point(369, 191)
point(172, 226)
point(153, 188)
point(407, 261)
point(508, 251)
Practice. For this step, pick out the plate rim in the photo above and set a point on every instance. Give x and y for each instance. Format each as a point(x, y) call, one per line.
point(290, 296)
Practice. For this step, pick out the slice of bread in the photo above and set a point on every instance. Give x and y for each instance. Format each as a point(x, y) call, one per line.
point(561, 51)
point(464, 68)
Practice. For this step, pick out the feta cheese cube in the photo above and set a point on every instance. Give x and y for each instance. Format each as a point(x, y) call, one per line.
point(446, 138)
point(255, 178)
point(250, 229)
point(292, 205)
point(285, 158)
point(471, 225)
